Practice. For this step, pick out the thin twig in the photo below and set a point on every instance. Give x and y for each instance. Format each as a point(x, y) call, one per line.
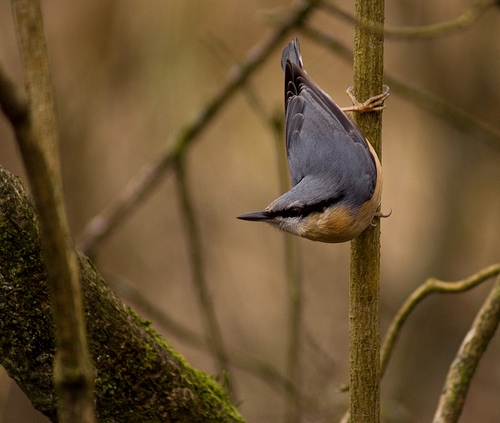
point(467, 359)
point(430, 286)
point(294, 283)
point(275, 123)
point(295, 399)
point(102, 225)
point(294, 368)
point(292, 263)
point(466, 19)
point(37, 136)
point(200, 283)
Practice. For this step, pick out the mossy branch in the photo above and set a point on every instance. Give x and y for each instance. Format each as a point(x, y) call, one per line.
point(139, 376)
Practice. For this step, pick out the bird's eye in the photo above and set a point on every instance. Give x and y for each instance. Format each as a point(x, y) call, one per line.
point(292, 212)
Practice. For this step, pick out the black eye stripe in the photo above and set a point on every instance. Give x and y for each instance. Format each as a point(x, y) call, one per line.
point(291, 212)
point(306, 209)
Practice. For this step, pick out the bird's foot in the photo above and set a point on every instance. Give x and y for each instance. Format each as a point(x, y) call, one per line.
point(373, 104)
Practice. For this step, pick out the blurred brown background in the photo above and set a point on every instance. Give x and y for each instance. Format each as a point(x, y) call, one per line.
point(129, 75)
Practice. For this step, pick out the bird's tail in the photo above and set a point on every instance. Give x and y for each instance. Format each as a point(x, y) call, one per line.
point(292, 53)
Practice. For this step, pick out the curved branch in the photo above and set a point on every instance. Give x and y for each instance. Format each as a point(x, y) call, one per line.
point(469, 354)
point(430, 286)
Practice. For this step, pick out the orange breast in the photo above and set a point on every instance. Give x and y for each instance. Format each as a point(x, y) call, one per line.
point(339, 223)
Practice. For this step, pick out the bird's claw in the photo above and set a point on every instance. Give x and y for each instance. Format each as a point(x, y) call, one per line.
point(373, 104)
point(380, 215)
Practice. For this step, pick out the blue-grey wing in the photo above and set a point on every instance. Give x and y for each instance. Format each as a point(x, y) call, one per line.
point(323, 144)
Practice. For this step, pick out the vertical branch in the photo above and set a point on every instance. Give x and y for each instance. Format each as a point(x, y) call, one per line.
point(200, 283)
point(293, 277)
point(364, 284)
point(37, 136)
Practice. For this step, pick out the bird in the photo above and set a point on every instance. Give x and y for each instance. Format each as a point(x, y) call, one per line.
point(335, 173)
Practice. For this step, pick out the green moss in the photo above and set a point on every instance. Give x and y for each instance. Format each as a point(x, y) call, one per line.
point(139, 375)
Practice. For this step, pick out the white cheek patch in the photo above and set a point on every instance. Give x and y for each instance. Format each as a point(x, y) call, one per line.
point(293, 225)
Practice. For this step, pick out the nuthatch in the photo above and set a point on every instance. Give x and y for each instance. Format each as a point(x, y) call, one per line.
point(336, 175)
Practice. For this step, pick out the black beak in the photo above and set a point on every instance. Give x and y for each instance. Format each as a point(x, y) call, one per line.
point(255, 216)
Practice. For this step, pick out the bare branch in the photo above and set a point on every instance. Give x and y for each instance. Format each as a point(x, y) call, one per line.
point(469, 354)
point(430, 286)
point(199, 279)
point(364, 278)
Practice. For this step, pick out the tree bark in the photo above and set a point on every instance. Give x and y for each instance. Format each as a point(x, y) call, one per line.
point(139, 377)
point(364, 283)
